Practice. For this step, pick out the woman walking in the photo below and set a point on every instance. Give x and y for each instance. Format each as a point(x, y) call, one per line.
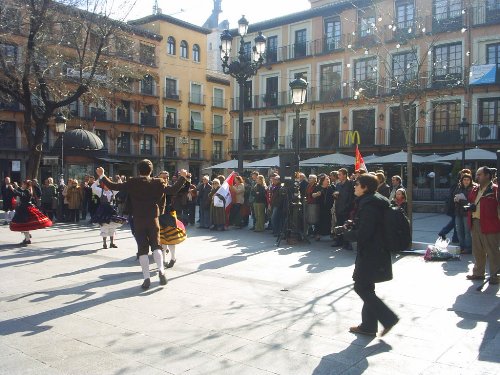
point(258, 193)
point(27, 216)
point(373, 261)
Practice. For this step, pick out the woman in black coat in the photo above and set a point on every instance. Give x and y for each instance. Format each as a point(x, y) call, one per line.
point(323, 193)
point(373, 261)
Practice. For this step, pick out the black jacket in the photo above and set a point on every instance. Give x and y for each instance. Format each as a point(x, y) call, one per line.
point(373, 261)
point(345, 200)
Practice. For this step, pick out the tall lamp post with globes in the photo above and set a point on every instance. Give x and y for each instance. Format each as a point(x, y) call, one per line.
point(299, 92)
point(60, 121)
point(464, 131)
point(242, 68)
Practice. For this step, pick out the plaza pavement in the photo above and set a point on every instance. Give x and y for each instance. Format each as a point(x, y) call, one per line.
point(235, 304)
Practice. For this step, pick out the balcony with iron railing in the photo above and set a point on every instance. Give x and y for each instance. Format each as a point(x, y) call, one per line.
point(198, 127)
point(196, 154)
point(217, 156)
point(171, 94)
point(195, 98)
point(149, 90)
point(172, 152)
point(171, 123)
point(218, 129)
point(219, 103)
point(147, 119)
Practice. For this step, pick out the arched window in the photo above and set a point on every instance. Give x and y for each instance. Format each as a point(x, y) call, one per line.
point(171, 45)
point(196, 53)
point(184, 49)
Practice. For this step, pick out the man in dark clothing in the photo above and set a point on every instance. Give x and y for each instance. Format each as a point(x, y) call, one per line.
point(145, 193)
point(87, 196)
point(276, 203)
point(7, 196)
point(373, 260)
point(344, 200)
point(204, 201)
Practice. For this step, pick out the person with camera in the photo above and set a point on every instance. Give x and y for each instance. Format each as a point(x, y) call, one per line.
point(145, 193)
point(373, 260)
point(485, 226)
point(460, 199)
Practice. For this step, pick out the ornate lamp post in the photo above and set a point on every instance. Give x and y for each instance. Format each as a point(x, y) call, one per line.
point(464, 131)
point(60, 121)
point(242, 68)
point(299, 92)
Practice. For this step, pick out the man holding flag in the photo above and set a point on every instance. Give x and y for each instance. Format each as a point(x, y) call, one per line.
point(225, 193)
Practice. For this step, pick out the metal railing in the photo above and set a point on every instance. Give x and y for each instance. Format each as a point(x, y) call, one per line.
point(219, 103)
point(218, 129)
point(172, 152)
point(171, 94)
point(195, 98)
point(195, 154)
point(148, 120)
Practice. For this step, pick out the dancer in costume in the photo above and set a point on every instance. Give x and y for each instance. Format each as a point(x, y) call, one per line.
point(27, 217)
point(106, 215)
point(145, 194)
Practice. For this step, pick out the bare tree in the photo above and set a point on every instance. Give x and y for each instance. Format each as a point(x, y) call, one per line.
point(403, 66)
point(51, 54)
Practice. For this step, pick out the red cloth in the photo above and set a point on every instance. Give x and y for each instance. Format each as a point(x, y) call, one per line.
point(36, 220)
point(488, 209)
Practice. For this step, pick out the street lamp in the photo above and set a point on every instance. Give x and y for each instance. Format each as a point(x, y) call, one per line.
point(464, 131)
point(241, 69)
point(299, 92)
point(60, 121)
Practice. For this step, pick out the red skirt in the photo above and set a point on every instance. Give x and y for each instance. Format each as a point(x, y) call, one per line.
point(32, 221)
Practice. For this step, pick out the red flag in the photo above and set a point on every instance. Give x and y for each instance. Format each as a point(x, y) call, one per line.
point(224, 189)
point(359, 162)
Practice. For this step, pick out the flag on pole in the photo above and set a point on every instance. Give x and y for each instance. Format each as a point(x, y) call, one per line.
point(224, 190)
point(359, 162)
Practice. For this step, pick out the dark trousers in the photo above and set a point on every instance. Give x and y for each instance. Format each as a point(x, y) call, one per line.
point(447, 229)
point(147, 234)
point(74, 215)
point(341, 219)
point(374, 309)
point(84, 209)
point(191, 212)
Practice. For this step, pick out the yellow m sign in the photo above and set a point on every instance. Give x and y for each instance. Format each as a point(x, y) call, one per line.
point(352, 138)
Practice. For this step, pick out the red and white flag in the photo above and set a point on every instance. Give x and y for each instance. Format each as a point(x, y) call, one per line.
point(224, 189)
point(359, 162)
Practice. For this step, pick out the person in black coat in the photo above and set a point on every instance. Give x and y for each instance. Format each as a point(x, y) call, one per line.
point(373, 261)
point(324, 196)
point(344, 203)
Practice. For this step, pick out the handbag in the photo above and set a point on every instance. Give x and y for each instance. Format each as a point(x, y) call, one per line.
point(218, 202)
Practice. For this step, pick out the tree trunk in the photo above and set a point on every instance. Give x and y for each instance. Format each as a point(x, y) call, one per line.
point(409, 182)
point(34, 159)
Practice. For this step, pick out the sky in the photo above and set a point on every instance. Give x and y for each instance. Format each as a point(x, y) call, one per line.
point(197, 11)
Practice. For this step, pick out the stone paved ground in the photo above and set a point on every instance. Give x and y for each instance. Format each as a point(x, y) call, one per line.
point(235, 304)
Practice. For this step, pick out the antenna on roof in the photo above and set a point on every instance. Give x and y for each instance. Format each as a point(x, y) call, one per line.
point(156, 9)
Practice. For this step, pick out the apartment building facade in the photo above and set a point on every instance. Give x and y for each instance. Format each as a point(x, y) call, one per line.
point(194, 99)
point(169, 107)
point(441, 58)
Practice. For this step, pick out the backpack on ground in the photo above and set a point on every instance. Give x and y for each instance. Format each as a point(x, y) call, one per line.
point(397, 232)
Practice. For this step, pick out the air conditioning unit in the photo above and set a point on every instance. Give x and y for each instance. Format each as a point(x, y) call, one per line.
point(486, 132)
